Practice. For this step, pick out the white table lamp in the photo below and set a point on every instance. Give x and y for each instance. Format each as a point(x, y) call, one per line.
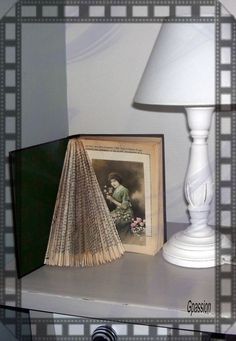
point(181, 72)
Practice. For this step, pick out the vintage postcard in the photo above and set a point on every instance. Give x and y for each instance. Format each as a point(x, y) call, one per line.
point(129, 171)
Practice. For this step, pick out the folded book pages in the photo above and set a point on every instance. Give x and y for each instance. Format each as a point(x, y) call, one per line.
point(83, 232)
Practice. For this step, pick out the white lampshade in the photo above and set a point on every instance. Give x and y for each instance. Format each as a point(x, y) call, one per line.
point(181, 68)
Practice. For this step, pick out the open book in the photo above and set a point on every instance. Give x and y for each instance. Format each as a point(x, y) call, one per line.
point(128, 175)
point(110, 195)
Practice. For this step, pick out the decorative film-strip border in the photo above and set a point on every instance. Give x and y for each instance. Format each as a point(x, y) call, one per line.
point(56, 11)
point(117, 11)
point(9, 140)
point(225, 163)
point(10, 122)
point(82, 329)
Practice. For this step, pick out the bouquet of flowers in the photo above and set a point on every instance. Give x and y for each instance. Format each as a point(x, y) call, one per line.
point(138, 226)
point(107, 190)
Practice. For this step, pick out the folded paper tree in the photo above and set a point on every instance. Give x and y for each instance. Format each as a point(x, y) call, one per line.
point(83, 232)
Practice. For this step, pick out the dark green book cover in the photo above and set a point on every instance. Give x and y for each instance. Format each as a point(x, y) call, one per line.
point(35, 174)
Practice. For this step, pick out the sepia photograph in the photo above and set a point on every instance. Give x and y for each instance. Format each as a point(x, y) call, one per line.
point(123, 186)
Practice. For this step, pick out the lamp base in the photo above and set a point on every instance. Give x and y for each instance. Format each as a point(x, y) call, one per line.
point(189, 251)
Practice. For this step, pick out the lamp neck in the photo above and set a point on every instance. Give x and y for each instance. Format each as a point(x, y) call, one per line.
point(199, 118)
point(198, 182)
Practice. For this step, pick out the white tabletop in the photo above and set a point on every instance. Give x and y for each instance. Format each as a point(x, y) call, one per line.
point(136, 283)
point(136, 286)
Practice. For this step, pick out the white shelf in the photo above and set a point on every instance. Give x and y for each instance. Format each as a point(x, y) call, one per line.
point(136, 286)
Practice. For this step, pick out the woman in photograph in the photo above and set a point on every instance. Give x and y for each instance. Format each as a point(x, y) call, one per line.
point(123, 213)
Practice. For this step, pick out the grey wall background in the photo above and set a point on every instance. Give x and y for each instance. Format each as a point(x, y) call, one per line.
point(104, 66)
point(44, 94)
